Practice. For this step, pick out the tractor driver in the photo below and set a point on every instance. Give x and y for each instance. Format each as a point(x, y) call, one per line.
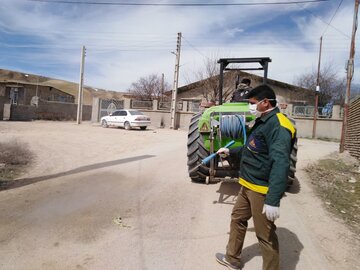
point(242, 89)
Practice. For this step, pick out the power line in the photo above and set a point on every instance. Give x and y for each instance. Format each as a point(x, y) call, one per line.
point(203, 55)
point(178, 4)
point(321, 19)
point(333, 17)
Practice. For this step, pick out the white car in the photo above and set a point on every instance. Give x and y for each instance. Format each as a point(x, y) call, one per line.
point(127, 119)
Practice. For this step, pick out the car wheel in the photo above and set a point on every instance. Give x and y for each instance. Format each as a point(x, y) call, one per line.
point(143, 128)
point(127, 126)
point(104, 124)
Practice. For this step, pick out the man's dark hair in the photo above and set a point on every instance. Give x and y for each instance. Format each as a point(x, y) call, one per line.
point(246, 81)
point(263, 91)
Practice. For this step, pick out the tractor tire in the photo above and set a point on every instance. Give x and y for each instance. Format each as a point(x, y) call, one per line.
point(293, 159)
point(196, 152)
point(292, 169)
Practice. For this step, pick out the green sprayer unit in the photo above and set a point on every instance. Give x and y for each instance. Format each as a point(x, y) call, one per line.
point(225, 124)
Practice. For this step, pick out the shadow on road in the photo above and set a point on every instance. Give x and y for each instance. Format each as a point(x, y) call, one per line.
point(228, 192)
point(290, 249)
point(5, 185)
point(295, 187)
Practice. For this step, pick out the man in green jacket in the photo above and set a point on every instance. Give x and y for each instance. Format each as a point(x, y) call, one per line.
point(264, 166)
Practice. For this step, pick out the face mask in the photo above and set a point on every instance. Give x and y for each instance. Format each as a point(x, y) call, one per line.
point(253, 108)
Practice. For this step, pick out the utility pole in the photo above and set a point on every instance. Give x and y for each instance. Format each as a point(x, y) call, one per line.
point(176, 82)
point(80, 96)
point(317, 91)
point(162, 87)
point(350, 72)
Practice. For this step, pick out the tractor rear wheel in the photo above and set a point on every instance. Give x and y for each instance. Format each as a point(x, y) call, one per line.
point(293, 160)
point(196, 152)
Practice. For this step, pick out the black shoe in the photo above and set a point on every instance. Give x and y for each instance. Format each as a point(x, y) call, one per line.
point(220, 258)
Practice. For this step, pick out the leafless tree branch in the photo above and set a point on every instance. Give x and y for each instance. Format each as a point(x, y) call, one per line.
point(149, 88)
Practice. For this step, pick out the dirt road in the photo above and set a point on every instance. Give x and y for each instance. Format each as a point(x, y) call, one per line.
point(113, 199)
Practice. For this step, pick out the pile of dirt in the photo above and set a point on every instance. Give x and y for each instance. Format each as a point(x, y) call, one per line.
point(337, 182)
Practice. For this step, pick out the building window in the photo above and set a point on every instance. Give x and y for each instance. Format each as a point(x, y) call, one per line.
point(14, 95)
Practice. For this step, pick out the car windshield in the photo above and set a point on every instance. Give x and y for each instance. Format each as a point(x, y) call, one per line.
point(135, 113)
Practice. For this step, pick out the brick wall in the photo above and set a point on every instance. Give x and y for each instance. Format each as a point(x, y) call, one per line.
point(48, 111)
point(352, 139)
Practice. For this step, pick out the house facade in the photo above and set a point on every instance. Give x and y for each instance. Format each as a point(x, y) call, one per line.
point(286, 93)
point(16, 92)
point(27, 97)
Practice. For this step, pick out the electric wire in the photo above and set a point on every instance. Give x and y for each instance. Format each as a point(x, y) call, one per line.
point(332, 17)
point(192, 46)
point(321, 19)
point(178, 4)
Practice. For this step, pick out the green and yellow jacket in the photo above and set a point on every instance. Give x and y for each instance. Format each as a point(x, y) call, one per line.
point(265, 158)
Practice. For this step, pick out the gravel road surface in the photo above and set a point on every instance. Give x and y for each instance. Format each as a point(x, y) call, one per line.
point(99, 198)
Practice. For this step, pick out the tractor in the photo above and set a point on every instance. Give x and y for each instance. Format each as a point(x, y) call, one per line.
point(220, 125)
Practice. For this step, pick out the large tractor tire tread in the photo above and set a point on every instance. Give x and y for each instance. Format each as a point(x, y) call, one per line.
point(293, 161)
point(196, 152)
point(293, 156)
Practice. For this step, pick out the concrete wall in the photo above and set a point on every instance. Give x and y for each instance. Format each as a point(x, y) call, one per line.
point(6, 112)
point(325, 128)
point(163, 119)
point(48, 111)
point(22, 113)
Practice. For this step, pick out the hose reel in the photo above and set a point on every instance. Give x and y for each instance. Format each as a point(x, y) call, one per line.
point(233, 126)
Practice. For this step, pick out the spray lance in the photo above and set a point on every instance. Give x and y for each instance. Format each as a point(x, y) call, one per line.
point(213, 155)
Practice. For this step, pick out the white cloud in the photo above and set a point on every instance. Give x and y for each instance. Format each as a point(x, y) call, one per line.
point(124, 44)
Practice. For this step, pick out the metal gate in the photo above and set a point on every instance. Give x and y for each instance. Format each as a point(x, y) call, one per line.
point(108, 106)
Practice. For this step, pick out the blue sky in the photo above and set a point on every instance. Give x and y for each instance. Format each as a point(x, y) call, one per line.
point(126, 43)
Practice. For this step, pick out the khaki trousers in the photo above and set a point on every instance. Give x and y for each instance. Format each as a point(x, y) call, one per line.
point(250, 204)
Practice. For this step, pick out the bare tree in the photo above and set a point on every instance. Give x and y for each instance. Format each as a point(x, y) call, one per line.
point(208, 79)
point(149, 88)
point(332, 86)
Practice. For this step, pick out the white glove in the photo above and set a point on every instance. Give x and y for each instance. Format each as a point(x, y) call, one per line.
point(223, 152)
point(271, 212)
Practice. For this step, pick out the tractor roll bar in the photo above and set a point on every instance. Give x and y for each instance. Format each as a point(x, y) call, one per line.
point(224, 62)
